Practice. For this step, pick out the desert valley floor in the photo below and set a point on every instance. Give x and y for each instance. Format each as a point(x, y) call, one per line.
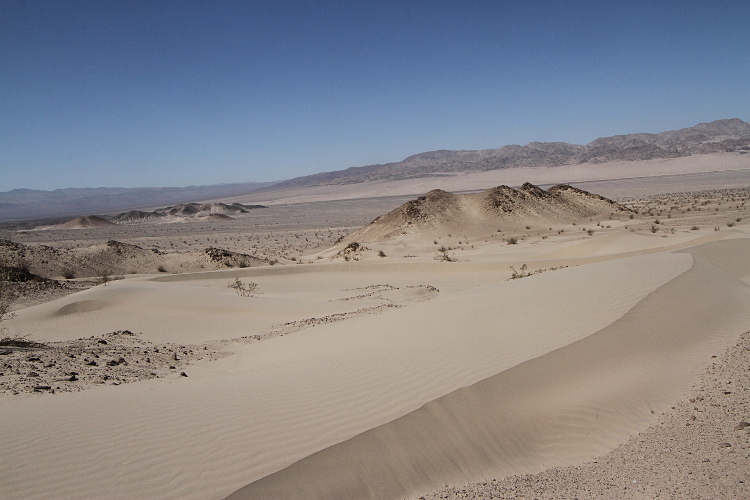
point(601, 357)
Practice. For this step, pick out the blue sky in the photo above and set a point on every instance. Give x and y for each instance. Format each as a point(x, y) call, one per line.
point(130, 93)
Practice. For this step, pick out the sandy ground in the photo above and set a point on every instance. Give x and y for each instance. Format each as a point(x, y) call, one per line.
point(391, 377)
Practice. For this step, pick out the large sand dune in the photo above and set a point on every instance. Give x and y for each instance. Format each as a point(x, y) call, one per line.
point(487, 377)
point(384, 378)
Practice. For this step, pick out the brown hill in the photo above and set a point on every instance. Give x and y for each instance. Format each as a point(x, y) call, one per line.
point(439, 212)
point(86, 222)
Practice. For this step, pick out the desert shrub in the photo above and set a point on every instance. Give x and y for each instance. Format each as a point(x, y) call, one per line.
point(523, 274)
point(104, 276)
point(694, 228)
point(730, 223)
point(381, 253)
point(591, 232)
point(17, 341)
point(161, 269)
point(512, 240)
point(8, 295)
point(23, 265)
point(654, 229)
point(67, 273)
point(243, 289)
point(443, 256)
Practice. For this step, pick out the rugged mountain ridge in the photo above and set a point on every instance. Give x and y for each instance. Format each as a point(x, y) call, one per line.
point(717, 136)
point(187, 210)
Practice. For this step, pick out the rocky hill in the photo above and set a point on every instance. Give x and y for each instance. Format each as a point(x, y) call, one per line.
point(212, 210)
point(439, 212)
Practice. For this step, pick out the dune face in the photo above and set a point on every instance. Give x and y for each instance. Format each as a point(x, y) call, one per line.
point(393, 373)
point(526, 418)
point(439, 212)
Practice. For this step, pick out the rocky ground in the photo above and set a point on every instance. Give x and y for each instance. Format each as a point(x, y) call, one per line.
point(698, 450)
point(113, 359)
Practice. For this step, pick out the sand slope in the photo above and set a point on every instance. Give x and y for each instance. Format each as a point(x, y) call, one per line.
point(488, 377)
point(563, 407)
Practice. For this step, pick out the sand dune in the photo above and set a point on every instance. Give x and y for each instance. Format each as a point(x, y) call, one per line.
point(241, 418)
point(563, 407)
point(384, 378)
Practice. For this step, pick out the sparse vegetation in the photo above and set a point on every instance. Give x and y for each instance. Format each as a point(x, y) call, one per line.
point(243, 289)
point(381, 253)
point(8, 296)
point(443, 256)
point(512, 240)
point(67, 273)
point(516, 275)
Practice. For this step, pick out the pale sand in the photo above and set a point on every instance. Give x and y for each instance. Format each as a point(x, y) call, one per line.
point(484, 378)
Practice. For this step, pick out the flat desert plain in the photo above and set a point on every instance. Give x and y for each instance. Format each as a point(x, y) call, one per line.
point(597, 357)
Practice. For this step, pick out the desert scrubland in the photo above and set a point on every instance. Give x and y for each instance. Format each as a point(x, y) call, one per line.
point(498, 343)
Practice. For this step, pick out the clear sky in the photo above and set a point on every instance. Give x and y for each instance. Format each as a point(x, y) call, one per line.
point(175, 93)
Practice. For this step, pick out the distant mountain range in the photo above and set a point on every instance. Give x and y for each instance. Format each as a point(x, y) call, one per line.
point(61, 204)
point(717, 136)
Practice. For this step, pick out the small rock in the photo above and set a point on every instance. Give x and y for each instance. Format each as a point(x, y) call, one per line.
point(73, 378)
point(92, 363)
point(42, 388)
point(33, 374)
point(33, 358)
point(102, 341)
point(725, 445)
point(183, 374)
point(741, 426)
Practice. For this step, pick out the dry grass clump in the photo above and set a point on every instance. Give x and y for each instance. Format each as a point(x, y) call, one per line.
point(243, 289)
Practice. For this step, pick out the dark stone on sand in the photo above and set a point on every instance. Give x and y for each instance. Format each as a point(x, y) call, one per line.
point(741, 426)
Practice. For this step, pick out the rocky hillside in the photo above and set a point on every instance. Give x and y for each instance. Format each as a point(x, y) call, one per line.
point(439, 212)
point(187, 210)
point(117, 258)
